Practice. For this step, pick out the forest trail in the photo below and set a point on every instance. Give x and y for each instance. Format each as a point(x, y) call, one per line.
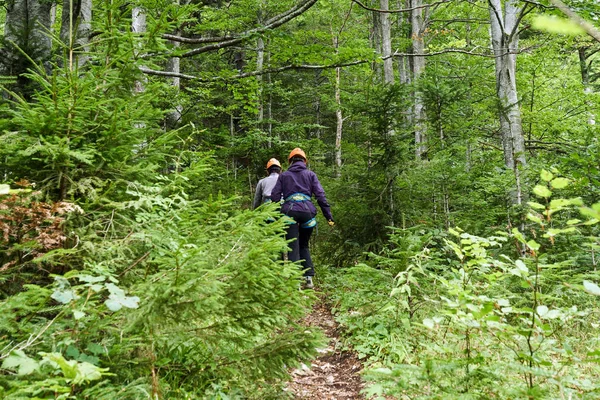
point(334, 375)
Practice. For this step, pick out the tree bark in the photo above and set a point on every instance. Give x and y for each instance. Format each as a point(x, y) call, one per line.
point(386, 43)
point(138, 25)
point(338, 115)
point(505, 38)
point(418, 66)
point(75, 29)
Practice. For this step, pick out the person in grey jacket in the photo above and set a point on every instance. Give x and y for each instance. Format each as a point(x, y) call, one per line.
point(265, 185)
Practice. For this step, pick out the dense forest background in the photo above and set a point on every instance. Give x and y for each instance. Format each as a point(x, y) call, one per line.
point(456, 141)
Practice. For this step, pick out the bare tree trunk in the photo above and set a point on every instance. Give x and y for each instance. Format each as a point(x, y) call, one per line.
point(386, 42)
point(173, 118)
point(260, 60)
point(586, 78)
point(75, 29)
point(418, 66)
point(138, 25)
point(403, 62)
point(269, 102)
point(174, 65)
point(338, 115)
point(505, 40)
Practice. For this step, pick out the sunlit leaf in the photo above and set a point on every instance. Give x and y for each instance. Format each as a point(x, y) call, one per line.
point(546, 175)
point(554, 24)
point(18, 361)
point(560, 183)
point(591, 288)
point(542, 191)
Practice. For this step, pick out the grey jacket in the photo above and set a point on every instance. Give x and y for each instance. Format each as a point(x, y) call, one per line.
point(264, 188)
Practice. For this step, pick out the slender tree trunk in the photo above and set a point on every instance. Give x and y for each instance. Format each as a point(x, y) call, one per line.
point(585, 68)
point(174, 65)
point(403, 61)
point(260, 60)
point(386, 43)
point(75, 29)
point(418, 66)
point(505, 40)
point(338, 114)
point(138, 25)
point(269, 101)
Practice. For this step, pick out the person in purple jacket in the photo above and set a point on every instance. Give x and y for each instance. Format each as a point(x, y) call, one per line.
point(296, 186)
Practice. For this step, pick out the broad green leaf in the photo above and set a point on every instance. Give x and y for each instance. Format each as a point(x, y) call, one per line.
point(533, 245)
point(542, 311)
point(546, 175)
point(542, 191)
point(534, 218)
point(503, 302)
point(536, 206)
point(113, 304)
point(591, 288)
point(4, 189)
point(18, 361)
point(63, 296)
point(557, 25)
point(78, 314)
point(429, 323)
point(560, 183)
point(92, 279)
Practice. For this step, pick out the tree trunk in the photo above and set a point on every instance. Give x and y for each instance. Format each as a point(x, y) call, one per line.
point(75, 29)
point(403, 61)
point(505, 38)
point(586, 77)
point(386, 43)
point(338, 115)
point(418, 66)
point(138, 25)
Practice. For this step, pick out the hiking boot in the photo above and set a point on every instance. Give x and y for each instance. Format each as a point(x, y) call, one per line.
point(309, 282)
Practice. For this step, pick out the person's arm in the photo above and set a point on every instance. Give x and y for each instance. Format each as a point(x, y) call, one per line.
point(276, 193)
point(258, 195)
point(319, 193)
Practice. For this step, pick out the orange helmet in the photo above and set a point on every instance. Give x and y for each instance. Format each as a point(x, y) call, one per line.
point(297, 152)
point(273, 161)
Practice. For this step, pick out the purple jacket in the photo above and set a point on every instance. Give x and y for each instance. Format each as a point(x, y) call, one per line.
point(299, 179)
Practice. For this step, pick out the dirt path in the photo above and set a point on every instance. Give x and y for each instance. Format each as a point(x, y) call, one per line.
point(334, 375)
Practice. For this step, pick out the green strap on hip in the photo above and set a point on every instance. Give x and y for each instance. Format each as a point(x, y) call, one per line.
point(298, 198)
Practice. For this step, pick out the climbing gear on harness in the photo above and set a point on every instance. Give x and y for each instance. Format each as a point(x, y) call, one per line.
point(311, 223)
point(298, 197)
point(272, 162)
point(297, 152)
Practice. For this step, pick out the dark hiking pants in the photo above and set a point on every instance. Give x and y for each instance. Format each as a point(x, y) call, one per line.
point(299, 246)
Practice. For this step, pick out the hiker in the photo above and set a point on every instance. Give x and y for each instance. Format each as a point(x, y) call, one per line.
point(265, 185)
point(296, 186)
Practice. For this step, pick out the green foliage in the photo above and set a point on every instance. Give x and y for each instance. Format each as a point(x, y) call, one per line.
point(474, 322)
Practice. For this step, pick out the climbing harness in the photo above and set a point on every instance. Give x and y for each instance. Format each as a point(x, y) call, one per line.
point(300, 198)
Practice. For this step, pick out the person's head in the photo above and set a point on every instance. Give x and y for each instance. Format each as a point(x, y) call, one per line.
point(297, 155)
point(273, 166)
